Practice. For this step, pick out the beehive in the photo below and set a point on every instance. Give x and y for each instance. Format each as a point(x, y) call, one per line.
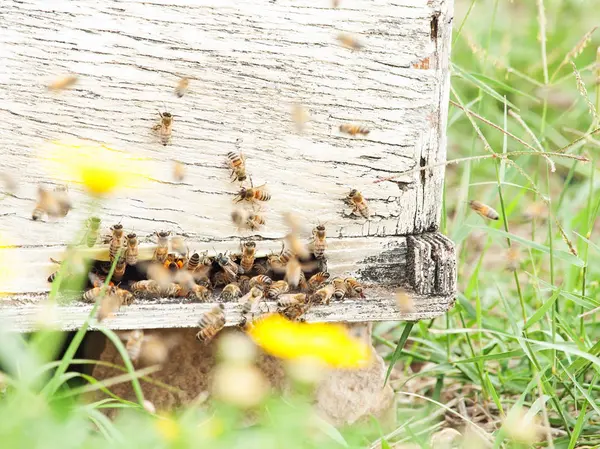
point(248, 62)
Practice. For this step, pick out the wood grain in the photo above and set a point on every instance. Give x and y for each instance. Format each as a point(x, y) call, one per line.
point(248, 62)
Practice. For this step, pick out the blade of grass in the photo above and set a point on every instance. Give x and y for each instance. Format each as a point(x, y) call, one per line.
point(398, 351)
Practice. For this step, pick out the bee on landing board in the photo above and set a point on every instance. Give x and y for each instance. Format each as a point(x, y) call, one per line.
point(120, 268)
point(251, 300)
point(316, 281)
point(323, 295)
point(353, 130)
point(278, 288)
point(63, 83)
point(162, 247)
point(253, 194)
point(146, 289)
point(353, 288)
point(484, 210)
point(340, 288)
point(165, 127)
point(262, 281)
point(295, 312)
point(182, 87)
point(359, 204)
point(131, 255)
point(237, 164)
point(211, 323)
point(291, 299)
point(350, 42)
point(117, 241)
point(248, 255)
point(199, 293)
point(319, 243)
point(230, 268)
point(231, 292)
point(91, 295)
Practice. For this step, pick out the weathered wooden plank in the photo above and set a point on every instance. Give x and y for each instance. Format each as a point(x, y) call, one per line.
point(248, 62)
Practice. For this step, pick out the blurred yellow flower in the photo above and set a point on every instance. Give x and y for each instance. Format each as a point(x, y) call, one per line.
point(329, 343)
point(99, 168)
point(168, 428)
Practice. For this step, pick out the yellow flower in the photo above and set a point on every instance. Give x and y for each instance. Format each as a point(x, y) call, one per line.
point(99, 168)
point(329, 343)
point(168, 428)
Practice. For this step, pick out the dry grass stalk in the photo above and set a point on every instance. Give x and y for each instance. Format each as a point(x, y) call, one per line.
point(528, 130)
point(584, 93)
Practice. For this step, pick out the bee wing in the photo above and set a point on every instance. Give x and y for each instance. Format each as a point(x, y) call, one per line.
point(262, 188)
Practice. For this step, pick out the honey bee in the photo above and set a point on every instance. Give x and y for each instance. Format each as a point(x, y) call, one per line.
point(55, 204)
point(340, 288)
point(293, 272)
point(359, 204)
point(162, 249)
point(108, 306)
point(335, 3)
point(513, 256)
point(172, 290)
point(116, 242)
point(291, 299)
point(92, 232)
point(146, 289)
point(94, 293)
point(237, 164)
point(250, 300)
point(248, 254)
point(244, 283)
point(63, 83)
point(119, 269)
point(125, 296)
point(178, 171)
point(303, 285)
point(230, 268)
point(484, 210)
point(405, 302)
point(319, 244)
point(200, 293)
point(174, 262)
point(220, 278)
point(354, 288)
point(317, 280)
point(300, 116)
point(296, 247)
point(323, 295)
point(193, 262)
point(349, 42)
point(131, 255)
point(278, 288)
point(295, 312)
point(353, 130)
point(134, 344)
point(231, 292)
point(165, 127)
point(246, 220)
point(211, 323)
point(260, 268)
point(182, 87)
point(253, 194)
point(262, 281)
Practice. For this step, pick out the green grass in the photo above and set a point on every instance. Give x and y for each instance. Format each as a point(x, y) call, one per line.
point(513, 339)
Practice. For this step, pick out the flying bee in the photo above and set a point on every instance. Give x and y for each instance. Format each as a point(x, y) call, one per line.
point(353, 130)
point(404, 301)
point(200, 293)
point(55, 204)
point(230, 268)
point(248, 254)
point(116, 242)
point(131, 254)
point(245, 220)
point(513, 256)
point(251, 300)
point(182, 87)
point(93, 225)
point(300, 116)
point(293, 272)
point(134, 344)
point(262, 281)
point(340, 288)
point(484, 210)
point(253, 194)
point(296, 247)
point(162, 249)
point(165, 127)
point(125, 296)
point(317, 280)
point(108, 306)
point(237, 164)
point(211, 323)
point(278, 288)
point(323, 295)
point(146, 289)
point(244, 283)
point(63, 83)
point(353, 288)
point(335, 3)
point(231, 292)
point(291, 299)
point(359, 204)
point(178, 171)
point(319, 243)
point(350, 42)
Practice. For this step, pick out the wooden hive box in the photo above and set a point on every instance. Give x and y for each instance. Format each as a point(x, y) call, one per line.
point(248, 62)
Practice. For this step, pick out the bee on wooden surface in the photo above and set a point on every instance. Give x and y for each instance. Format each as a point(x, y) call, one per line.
point(404, 301)
point(262, 281)
point(200, 293)
point(317, 280)
point(340, 288)
point(353, 130)
point(193, 262)
point(513, 258)
point(165, 127)
point(319, 243)
point(178, 171)
point(353, 288)
point(246, 220)
point(220, 278)
point(109, 304)
point(172, 290)
point(278, 288)
point(291, 299)
point(91, 295)
point(303, 284)
point(93, 226)
point(300, 116)
point(116, 242)
point(251, 300)
point(174, 262)
point(323, 295)
point(253, 194)
point(359, 204)
point(125, 296)
point(230, 268)
point(211, 323)
point(484, 210)
point(182, 87)
point(231, 292)
point(162, 247)
point(63, 83)
point(237, 164)
point(131, 254)
point(119, 269)
point(55, 204)
point(146, 289)
point(349, 41)
point(134, 344)
point(244, 283)
point(248, 255)
point(295, 312)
